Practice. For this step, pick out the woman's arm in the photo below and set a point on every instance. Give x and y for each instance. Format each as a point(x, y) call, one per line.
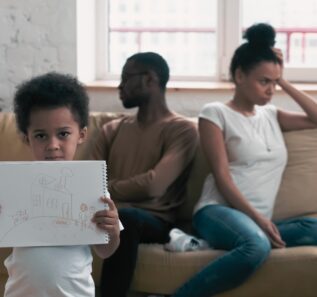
point(213, 146)
point(296, 120)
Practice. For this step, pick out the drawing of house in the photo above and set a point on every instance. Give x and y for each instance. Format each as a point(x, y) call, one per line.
point(50, 196)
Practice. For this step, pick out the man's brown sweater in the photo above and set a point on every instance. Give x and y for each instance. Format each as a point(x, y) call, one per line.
point(148, 166)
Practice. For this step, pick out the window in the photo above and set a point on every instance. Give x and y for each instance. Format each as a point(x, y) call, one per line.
point(197, 37)
point(183, 31)
point(296, 26)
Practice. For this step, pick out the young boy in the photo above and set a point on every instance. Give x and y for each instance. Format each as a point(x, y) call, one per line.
point(52, 115)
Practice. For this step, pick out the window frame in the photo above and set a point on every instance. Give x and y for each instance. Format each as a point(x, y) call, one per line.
point(93, 36)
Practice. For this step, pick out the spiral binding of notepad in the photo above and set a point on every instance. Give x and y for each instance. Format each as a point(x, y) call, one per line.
point(105, 189)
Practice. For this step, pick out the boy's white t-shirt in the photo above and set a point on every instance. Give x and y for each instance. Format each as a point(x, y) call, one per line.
point(50, 272)
point(256, 153)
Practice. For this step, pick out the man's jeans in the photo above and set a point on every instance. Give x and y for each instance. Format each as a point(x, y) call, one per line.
point(139, 227)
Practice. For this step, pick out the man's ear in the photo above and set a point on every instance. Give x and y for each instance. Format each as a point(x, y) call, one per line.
point(83, 133)
point(152, 77)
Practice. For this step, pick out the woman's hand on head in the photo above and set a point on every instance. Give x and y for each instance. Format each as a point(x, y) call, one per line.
point(279, 54)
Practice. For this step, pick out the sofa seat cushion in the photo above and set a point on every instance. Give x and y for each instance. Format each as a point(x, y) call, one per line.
point(161, 272)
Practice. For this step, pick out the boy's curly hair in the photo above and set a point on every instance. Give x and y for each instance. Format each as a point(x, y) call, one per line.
point(51, 90)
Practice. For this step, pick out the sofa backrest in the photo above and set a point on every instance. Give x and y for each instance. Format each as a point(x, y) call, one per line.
point(11, 146)
point(298, 191)
point(96, 121)
point(296, 195)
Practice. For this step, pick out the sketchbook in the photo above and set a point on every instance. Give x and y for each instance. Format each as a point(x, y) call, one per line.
point(45, 203)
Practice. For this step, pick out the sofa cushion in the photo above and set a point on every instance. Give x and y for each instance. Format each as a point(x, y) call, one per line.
point(162, 272)
point(166, 271)
point(300, 174)
point(4, 253)
point(11, 146)
point(297, 195)
point(292, 199)
point(96, 121)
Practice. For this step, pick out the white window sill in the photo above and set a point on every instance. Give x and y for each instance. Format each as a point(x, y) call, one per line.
point(190, 85)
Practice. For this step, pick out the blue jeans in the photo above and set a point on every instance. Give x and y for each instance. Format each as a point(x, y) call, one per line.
point(246, 244)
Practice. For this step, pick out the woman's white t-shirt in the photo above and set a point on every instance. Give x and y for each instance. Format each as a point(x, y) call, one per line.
point(50, 271)
point(256, 152)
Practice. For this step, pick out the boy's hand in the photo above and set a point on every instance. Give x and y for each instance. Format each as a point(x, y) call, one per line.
point(108, 219)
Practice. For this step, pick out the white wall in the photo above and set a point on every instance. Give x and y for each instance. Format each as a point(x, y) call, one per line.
point(186, 102)
point(36, 36)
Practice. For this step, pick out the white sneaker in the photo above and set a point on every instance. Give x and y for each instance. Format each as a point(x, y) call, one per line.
point(181, 242)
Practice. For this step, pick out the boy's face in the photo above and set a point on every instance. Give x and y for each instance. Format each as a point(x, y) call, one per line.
point(53, 134)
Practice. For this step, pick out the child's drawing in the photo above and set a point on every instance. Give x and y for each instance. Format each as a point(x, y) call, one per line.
point(20, 216)
point(50, 197)
point(83, 216)
point(55, 206)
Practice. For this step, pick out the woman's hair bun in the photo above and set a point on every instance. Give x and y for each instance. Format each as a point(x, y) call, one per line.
point(260, 35)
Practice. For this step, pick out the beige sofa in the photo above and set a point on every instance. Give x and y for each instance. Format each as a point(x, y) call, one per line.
point(288, 272)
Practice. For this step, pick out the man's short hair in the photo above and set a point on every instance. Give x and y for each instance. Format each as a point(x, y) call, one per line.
point(155, 62)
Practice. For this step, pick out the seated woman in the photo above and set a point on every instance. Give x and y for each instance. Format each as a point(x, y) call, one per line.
point(243, 143)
